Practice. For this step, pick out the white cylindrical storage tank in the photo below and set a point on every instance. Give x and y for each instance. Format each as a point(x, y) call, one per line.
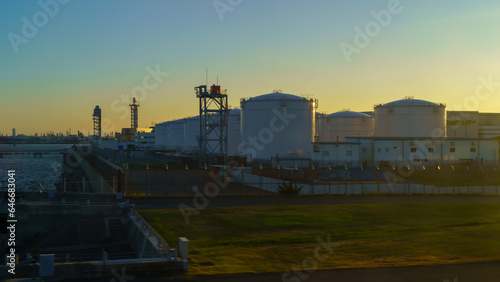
point(176, 135)
point(161, 135)
point(337, 126)
point(410, 118)
point(277, 124)
point(233, 132)
point(191, 133)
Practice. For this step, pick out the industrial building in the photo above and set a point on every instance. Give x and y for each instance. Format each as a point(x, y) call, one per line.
point(130, 138)
point(409, 132)
point(145, 138)
point(463, 124)
point(96, 118)
point(267, 126)
point(285, 129)
point(489, 125)
point(415, 152)
point(182, 135)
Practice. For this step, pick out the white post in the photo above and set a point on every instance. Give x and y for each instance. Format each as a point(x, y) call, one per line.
point(183, 247)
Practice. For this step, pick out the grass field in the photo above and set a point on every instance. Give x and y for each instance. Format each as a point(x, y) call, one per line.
point(279, 238)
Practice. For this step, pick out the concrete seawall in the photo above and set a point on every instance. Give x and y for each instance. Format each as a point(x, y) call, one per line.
point(89, 241)
point(100, 175)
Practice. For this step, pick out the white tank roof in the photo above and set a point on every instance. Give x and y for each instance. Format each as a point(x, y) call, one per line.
point(409, 102)
point(347, 114)
point(277, 96)
point(171, 121)
point(178, 120)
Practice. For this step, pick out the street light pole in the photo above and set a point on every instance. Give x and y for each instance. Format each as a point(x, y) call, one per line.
point(166, 179)
point(243, 179)
point(468, 180)
point(312, 180)
point(330, 180)
point(345, 178)
point(453, 178)
point(439, 178)
point(147, 180)
point(279, 174)
point(425, 176)
point(378, 180)
point(260, 174)
point(187, 180)
point(409, 180)
point(362, 181)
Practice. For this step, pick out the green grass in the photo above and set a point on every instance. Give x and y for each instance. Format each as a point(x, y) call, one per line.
point(276, 238)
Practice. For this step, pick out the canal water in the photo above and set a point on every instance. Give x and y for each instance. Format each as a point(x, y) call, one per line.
point(31, 172)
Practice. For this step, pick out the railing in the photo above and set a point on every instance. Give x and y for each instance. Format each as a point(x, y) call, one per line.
point(161, 245)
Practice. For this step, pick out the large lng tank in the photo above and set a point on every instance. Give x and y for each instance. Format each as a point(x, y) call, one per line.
point(277, 124)
point(410, 118)
point(337, 126)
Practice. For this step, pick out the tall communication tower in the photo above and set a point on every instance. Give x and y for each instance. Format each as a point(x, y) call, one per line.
point(96, 117)
point(214, 113)
point(134, 114)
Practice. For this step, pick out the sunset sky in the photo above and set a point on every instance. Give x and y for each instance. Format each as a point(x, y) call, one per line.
point(99, 52)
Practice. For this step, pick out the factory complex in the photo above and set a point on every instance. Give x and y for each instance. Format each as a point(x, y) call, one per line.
point(284, 129)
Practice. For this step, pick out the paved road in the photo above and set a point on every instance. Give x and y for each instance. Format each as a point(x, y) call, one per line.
point(474, 272)
point(327, 200)
point(478, 272)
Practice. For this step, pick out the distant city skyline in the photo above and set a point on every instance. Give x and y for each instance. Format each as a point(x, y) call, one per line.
point(59, 59)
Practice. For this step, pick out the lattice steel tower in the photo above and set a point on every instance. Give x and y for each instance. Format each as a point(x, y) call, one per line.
point(134, 114)
point(96, 117)
point(214, 112)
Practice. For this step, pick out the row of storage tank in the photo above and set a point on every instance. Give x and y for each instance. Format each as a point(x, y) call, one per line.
point(285, 125)
point(182, 135)
point(407, 118)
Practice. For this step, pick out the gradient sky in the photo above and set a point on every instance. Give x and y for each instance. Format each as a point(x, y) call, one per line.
point(96, 52)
